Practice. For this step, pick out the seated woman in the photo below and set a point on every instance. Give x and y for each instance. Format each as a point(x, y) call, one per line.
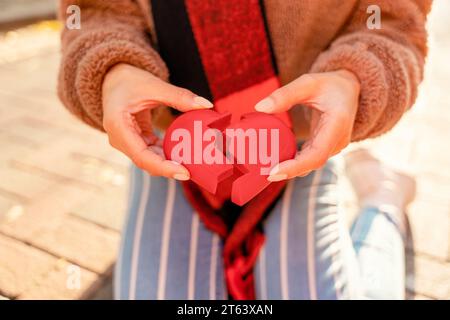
point(317, 65)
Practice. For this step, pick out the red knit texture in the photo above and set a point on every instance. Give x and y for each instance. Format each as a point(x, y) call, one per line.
point(243, 241)
point(232, 42)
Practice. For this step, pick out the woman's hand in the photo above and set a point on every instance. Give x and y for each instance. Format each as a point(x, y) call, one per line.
point(129, 94)
point(333, 98)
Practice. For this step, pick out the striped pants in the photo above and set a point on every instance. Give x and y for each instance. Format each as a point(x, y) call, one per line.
point(309, 253)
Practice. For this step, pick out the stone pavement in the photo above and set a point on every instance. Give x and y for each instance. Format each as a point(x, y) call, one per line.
point(63, 188)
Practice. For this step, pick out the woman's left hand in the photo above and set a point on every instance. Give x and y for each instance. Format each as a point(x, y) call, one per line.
point(333, 98)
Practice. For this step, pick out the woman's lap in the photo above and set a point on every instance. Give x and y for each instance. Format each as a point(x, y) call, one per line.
point(167, 253)
point(308, 253)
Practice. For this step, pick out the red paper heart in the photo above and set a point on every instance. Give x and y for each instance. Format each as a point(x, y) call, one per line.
point(201, 139)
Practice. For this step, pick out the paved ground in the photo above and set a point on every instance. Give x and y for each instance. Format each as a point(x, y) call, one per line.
point(63, 189)
point(14, 12)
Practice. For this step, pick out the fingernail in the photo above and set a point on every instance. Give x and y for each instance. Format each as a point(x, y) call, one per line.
point(181, 176)
point(265, 105)
point(277, 177)
point(202, 103)
point(274, 170)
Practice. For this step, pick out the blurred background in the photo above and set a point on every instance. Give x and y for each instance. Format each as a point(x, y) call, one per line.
point(56, 242)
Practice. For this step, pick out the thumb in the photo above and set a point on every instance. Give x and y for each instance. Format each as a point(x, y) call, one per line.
point(179, 98)
point(301, 90)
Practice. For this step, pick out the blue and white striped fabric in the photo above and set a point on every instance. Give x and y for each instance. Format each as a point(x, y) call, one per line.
point(167, 253)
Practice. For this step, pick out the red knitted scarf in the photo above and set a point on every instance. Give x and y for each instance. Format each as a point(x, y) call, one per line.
point(220, 49)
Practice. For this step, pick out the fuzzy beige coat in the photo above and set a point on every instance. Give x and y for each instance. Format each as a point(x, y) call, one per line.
point(307, 36)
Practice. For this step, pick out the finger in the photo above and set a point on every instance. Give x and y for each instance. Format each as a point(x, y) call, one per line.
point(313, 155)
point(340, 146)
point(143, 125)
point(130, 142)
point(298, 91)
point(179, 98)
point(155, 164)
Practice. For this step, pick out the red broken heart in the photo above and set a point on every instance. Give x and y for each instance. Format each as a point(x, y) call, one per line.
point(229, 160)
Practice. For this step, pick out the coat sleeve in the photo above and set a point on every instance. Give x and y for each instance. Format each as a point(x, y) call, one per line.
point(112, 32)
point(388, 61)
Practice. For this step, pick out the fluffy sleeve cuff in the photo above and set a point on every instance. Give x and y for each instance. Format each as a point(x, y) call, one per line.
point(388, 73)
point(88, 58)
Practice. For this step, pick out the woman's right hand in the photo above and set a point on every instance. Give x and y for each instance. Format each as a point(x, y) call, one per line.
point(129, 94)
